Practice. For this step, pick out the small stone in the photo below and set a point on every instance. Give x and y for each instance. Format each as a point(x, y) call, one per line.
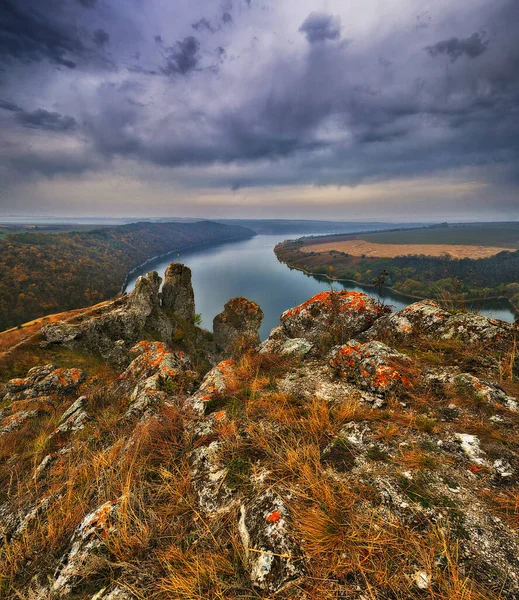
point(422, 580)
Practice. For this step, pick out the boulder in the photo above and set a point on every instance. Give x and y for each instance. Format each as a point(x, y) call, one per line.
point(177, 292)
point(44, 380)
point(236, 328)
point(279, 343)
point(429, 320)
point(332, 317)
point(373, 366)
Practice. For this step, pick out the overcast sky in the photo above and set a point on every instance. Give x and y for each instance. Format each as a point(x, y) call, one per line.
point(400, 109)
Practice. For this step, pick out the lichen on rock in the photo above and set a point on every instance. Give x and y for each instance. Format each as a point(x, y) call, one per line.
point(236, 328)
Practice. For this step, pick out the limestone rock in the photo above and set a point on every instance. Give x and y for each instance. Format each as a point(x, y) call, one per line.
point(428, 319)
point(468, 384)
point(17, 421)
point(87, 540)
point(155, 373)
point(372, 366)
point(332, 316)
point(279, 343)
point(213, 384)
point(177, 292)
point(44, 380)
point(145, 297)
point(273, 555)
point(236, 328)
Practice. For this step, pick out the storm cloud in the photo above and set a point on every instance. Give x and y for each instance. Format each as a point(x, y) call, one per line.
point(183, 57)
point(254, 95)
point(319, 27)
point(473, 46)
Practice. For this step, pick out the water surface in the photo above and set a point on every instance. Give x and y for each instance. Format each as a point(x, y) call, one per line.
point(250, 268)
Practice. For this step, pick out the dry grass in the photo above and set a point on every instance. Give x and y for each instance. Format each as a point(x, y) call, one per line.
point(363, 248)
point(165, 548)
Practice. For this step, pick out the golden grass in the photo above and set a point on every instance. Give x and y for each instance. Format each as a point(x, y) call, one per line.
point(165, 548)
point(369, 249)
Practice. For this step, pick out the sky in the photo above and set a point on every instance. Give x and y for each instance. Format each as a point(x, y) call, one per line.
point(336, 109)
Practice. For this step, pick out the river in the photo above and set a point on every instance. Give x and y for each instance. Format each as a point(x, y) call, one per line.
point(250, 268)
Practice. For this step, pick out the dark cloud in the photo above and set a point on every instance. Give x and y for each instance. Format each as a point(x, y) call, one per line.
point(32, 32)
point(473, 46)
point(319, 27)
point(100, 37)
point(88, 3)
point(265, 107)
point(203, 25)
point(49, 121)
point(183, 57)
point(10, 106)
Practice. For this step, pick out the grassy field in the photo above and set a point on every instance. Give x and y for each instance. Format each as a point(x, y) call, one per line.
point(505, 235)
point(365, 248)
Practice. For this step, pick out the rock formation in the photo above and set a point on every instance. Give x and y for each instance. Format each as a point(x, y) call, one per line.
point(142, 313)
point(177, 292)
point(353, 454)
point(236, 328)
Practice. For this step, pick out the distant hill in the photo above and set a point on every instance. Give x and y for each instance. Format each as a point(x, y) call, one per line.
point(41, 273)
point(282, 226)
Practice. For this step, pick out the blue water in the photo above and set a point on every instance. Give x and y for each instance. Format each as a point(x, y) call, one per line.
point(250, 268)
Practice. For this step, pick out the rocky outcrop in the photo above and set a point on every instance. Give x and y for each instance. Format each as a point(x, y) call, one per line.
point(372, 366)
point(236, 328)
point(427, 319)
point(177, 292)
point(332, 317)
point(42, 381)
point(89, 537)
point(300, 468)
point(143, 313)
point(153, 375)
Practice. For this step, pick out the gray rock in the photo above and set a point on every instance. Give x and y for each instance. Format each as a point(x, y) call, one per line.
point(372, 366)
point(273, 555)
point(236, 328)
point(177, 292)
point(86, 541)
point(429, 320)
point(330, 318)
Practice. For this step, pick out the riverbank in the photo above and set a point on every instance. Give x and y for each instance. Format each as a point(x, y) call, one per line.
point(295, 255)
point(42, 274)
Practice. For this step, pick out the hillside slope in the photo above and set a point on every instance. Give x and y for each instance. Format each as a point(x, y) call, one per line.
point(40, 273)
point(353, 454)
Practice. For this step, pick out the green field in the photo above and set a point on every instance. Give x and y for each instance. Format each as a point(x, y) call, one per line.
point(505, 235)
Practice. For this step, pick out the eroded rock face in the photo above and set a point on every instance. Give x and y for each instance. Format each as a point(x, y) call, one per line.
point(236, 328)
point(336, 316)
point(372, 366)
point(279, 343)
point(177, 292)
point(428, 319)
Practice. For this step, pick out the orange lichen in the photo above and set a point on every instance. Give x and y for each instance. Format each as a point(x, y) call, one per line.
point(274, 517)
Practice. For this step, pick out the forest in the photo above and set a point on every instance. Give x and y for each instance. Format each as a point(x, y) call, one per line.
point(442, 278)
point(46, 273)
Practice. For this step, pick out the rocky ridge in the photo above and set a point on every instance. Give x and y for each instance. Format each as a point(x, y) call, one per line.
point(352, 454)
